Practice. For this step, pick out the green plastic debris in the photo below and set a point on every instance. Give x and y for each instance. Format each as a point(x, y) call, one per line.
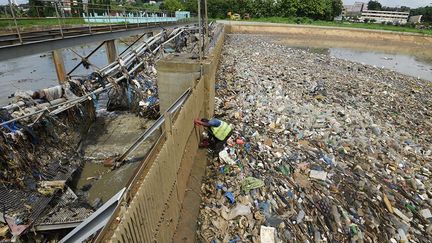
point(353, 229)
point(284, 170)
point(226, 170)
point(410, 207)
point(250, 183)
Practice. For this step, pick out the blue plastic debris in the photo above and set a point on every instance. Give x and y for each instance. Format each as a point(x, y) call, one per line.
point(151, 100)
point(129, 95)
point(326, 159)
point(230, 197)
point(247, 147)
point(289, 194)
point(221, 169)
point(237, 239)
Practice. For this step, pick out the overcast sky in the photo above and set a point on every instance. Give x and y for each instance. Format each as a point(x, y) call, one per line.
point(389, 3)
point(394, 3)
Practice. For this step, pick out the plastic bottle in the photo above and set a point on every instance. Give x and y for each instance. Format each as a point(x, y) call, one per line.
point(300, 217)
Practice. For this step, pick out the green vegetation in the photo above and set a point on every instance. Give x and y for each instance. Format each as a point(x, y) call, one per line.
point(425, 11)
point(307, 21)
point(171, 5)
point(374, 5)
point(28, 23)
point(314, 9)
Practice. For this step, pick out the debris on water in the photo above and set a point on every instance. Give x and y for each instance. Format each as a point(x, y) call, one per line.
point(43, 136)
point(330, 151)
point(86, 187)
point(97, 203)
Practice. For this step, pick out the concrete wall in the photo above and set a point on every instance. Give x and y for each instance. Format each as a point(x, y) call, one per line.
point(175, 75)
point(151, 206)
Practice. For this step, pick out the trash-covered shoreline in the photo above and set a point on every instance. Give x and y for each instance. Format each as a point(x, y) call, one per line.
point(324, 150)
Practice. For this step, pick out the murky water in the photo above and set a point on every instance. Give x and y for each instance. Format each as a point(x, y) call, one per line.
point(412, 60)
point(104, 182)
point(37, 71)
point(409, 65)
point(110, 136)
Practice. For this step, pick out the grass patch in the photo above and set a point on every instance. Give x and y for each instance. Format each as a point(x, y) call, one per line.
point(372, 26)
point(29, 23)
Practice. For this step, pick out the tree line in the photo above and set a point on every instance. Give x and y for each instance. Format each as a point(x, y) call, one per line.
point(314, 9)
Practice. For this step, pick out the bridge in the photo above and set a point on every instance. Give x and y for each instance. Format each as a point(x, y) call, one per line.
point(17, 39)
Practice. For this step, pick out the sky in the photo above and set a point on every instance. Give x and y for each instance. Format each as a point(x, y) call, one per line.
point(394, 3)
point(388, 3)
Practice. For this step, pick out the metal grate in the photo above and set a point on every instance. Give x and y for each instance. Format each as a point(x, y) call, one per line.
point(27, 206)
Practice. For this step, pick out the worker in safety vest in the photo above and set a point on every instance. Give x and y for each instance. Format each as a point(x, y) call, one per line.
point(219, 131)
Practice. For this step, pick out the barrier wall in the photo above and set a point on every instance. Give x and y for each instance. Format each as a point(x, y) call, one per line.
point(151, 207)
point(134, 18)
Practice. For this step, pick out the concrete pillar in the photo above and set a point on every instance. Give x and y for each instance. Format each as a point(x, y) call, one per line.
point(111, 50)
point(175, 75)
point(59, 65)
point(209, 71)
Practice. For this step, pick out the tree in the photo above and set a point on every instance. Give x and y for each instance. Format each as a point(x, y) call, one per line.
point(337, 6)
point(405, 9)
point(287, 8)
point(191, 6)
point(374, 5)
point(41, 9)
point(311, 8)
point(171, 5)
point(304, 9)
point(425, 11)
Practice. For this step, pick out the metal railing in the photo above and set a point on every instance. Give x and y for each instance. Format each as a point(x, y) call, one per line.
point(66, 16)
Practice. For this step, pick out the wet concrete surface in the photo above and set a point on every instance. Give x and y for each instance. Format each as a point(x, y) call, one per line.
point(111, 135)
point(187, 225)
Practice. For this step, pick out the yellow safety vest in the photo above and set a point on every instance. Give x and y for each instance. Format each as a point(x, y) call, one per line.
point(222, 131)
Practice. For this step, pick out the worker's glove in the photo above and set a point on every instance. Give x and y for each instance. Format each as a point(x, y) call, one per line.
point(197, 122)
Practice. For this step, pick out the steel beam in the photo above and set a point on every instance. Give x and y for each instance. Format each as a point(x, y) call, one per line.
point(95, 222)
point(111, 50)
point(19, 50)
point(59, 65)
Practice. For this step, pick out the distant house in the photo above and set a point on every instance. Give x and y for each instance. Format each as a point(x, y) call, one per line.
point(416, 19)
point(354, 10)
point(385, 16)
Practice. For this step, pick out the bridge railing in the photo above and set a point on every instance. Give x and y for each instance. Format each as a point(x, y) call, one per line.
point(62, 17)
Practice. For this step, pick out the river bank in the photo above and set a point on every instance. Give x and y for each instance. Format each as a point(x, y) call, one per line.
point(323, 149)
point(342, 24)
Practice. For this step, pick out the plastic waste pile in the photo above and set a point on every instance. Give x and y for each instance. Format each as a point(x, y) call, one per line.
point(324, 150)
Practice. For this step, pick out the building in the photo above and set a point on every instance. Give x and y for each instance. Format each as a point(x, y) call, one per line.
point(415, 19)
point(354, 10)
point(385, 16)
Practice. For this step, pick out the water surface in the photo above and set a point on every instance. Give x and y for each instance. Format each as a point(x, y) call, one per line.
point(406, 58)
point(37, 71)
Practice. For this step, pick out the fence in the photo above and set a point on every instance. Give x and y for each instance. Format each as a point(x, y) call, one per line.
point(134, 18)
point(60, 15)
